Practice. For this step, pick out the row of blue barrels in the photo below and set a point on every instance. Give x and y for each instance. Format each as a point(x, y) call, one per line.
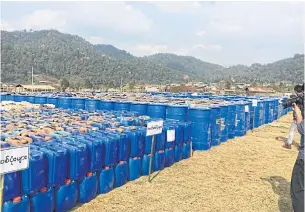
point(42, 188)
point(153, 110)
point(211, 126)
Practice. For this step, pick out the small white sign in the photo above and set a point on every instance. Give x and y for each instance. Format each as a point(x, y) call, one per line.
point(222, 124)
point(14, 159)
point(154, 128)
point(247, 108)
point(254, 102)
point(171, 135)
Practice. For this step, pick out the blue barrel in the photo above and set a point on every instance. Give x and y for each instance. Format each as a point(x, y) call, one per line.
point(231, 117)
point(268, 112)
point(124, 106)
point(156, 111)
point(145, 164)
point(52, 100)
point(10, 97)
point(251, 116)
point(23, 98)
point(161, 141)
point(78, 153)
point(57, 158)
point(186, 150)
point(248, 114)
point(123, 146)
point(66, 196)
point(272, 110)
point(30, 99)
point(177, 112)
point(240, 121)
point(20, 205)
point(136, 139)
point(106, 105)
point(134, 168)
point(258, 115)
point(40, 100)
point(139, 107)
point(159, 161)
point(169, 144)
point(35, 177)
point(96, 148)
point(215, 126)
point(276, 109)
point(169, 157)
point(43, 201)
point(12, 185)
point(92, 104)
point(201, 127)
point(121, 174)
point(106, 180)
point(78, 103)
point(187, 131)
point(3, 97)
point(111, 148)
point(88, 188)
point(64, 102)
point(223, 123)
point(178, 153)
point(17, 98)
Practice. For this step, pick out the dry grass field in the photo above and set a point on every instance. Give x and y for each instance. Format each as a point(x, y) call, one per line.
point(250, 173)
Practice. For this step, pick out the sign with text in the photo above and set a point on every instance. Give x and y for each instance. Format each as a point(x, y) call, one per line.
point(171, 135)
point(254, 102)
point(154, 128)
point(14, 159)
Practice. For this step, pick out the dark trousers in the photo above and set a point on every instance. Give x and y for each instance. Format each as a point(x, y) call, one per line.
point(297, 186)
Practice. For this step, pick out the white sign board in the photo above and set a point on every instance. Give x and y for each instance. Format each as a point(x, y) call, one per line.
point(154, 128)
point(254, 102)
point(247, 108)
point(14, 159)
point(171, 135)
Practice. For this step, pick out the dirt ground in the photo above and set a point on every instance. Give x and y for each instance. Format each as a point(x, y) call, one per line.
point(250, 173)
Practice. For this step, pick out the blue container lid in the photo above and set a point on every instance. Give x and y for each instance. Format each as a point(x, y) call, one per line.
point(139, 103)
point(200, 108)
point(156, 104)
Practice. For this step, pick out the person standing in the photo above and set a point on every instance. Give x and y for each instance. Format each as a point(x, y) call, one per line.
point(298, 89)
point(297, 178)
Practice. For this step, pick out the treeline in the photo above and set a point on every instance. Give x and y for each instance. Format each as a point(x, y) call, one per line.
point(60, 55)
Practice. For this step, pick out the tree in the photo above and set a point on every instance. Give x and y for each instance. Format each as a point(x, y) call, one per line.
point(228, 85)
point(88, 84)
point(64, 84)
point(131, 85)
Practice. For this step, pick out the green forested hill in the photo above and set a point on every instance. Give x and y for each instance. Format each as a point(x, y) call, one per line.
point(114, 52)
point(69, 56)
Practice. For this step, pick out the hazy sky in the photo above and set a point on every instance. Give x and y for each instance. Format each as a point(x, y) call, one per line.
point(226, 33)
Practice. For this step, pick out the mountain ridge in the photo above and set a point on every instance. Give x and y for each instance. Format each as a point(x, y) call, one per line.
point(69, 56)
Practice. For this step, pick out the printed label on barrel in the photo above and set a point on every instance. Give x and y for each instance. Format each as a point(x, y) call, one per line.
point(222, 124)
point(236, 121)
point(261, 115)
point(246, 108)
point(170, 135)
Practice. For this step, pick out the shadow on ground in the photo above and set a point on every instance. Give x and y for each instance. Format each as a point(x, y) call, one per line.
point(281, 138)
point(281, 187)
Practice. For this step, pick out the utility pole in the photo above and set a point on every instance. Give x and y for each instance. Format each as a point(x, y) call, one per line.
point(32, 78)
point(32, 72)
